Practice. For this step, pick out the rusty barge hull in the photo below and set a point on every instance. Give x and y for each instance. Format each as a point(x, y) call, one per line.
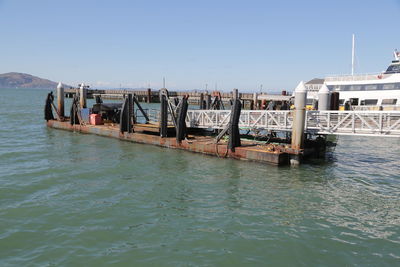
point(199, 144)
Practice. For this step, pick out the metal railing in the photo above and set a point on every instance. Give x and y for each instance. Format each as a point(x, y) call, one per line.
point(249, 119)
point(354, 122)
point(318, 122)
point(357, 77)
point(376, 108)
point(155, 115)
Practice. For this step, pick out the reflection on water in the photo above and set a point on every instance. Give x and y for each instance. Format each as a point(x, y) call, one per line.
point(81, 198)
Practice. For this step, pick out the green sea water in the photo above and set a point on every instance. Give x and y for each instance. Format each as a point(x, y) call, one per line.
point(69, 199)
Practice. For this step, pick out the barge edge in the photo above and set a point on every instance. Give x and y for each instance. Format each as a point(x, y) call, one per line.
point(197, 144)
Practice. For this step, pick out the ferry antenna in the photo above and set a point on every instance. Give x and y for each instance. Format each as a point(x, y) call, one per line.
point(352, 55)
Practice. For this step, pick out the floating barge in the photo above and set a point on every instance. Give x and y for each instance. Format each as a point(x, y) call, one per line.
point(170, 128)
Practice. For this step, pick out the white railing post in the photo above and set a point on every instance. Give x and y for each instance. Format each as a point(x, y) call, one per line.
point(328, 121)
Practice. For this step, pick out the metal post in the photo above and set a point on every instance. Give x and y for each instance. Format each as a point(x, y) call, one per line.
point(324, 102)
point(298, 121)
point(82, 96)
point(60, 99)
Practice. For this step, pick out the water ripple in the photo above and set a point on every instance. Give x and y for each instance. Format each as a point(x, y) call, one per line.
point(72, 199)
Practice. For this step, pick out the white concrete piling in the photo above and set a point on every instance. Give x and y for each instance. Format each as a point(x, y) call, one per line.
point(82, 95)
point(324, 99)
point(60, 99)
point(298, 121)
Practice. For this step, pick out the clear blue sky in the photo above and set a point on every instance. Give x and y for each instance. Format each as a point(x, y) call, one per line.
point(236, 44)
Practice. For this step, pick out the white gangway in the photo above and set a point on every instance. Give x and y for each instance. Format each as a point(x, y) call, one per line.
point(364, 123)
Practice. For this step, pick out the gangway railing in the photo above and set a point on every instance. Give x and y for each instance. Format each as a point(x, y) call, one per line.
point(367, 123)
point(354, 122)
point(155, 114)
point(249, 119)
point(358, 77)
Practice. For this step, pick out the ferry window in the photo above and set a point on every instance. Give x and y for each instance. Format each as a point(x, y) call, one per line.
point(397, 85)
point(371, 87)
point(389, 101)
point(341, 101)
point(309, 101)
point(370, 102)
point(388, 86)
point(393, 69)
point(354, 101)
point(354, 87)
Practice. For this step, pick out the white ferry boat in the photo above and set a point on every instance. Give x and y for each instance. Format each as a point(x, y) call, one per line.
point(380, 91)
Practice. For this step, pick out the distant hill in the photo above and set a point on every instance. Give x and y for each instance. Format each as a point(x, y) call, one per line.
point(22, 80)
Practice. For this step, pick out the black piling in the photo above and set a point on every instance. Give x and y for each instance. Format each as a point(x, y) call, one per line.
point(123, 127)
point(48, 113)
point(217, 103)
point(163, 115)
point(74, 111)
point(208, 101)
point(181, 123)
point(126, 116)
point(334, 105)
point(201, 102)
point(234, 134)
point(131, 118)
point(98, 99)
